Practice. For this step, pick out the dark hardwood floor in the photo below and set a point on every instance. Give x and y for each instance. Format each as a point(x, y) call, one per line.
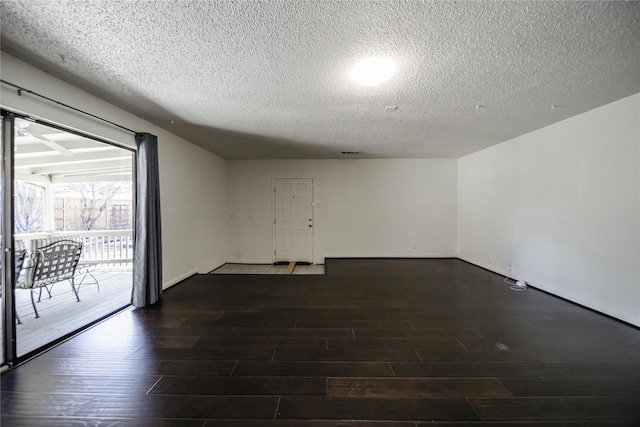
point(382, 343)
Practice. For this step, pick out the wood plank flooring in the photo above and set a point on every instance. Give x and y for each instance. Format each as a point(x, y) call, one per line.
point(382, 343)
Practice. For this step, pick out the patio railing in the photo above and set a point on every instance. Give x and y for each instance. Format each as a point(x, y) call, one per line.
point(105, 247)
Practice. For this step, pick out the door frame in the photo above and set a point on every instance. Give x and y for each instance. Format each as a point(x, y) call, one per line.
point(10, 356)
point(7, 244)
point(273, 223)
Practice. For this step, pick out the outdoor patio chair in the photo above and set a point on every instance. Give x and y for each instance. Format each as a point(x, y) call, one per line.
point(85, 272)
point(31, 246)
point(52, 264)
point(19, 260)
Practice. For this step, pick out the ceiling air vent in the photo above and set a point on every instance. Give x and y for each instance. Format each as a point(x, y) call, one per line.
point(351, 153)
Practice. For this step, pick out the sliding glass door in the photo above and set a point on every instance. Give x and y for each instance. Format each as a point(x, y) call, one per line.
point(72, 221)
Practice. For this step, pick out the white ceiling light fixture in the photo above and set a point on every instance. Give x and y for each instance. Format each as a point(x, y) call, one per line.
point(373, 71)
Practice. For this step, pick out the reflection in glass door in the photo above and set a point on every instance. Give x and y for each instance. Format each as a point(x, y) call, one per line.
point(73, 218)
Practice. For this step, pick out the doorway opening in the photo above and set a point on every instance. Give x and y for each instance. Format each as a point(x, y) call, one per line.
point(68, 191)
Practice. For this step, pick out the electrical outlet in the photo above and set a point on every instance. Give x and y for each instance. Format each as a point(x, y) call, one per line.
point(510, 268)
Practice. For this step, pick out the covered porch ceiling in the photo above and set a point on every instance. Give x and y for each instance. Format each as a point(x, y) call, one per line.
point(46, 154)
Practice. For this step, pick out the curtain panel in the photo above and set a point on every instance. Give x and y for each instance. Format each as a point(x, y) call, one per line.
point(147, 265)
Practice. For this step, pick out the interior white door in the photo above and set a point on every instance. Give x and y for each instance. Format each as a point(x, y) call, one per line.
point(293, 222)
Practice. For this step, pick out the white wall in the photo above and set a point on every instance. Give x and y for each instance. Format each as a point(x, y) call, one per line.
point(192, 180)
point(562, 205)
point(364, 208)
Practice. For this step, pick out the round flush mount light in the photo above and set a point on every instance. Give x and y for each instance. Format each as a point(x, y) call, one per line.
point(373, 71)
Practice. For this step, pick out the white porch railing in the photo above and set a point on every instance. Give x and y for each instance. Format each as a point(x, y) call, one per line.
point(108, 247)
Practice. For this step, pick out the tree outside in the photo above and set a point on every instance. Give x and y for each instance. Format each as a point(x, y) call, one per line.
point(29, 208)
point(93, 205)
point(77, 206)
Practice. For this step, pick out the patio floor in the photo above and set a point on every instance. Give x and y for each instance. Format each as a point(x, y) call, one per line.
point(62, 314)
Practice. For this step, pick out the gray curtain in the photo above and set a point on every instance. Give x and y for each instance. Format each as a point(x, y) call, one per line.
point(147, 264)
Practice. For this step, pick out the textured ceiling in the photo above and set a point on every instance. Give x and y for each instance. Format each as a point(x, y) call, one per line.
point(269, 79)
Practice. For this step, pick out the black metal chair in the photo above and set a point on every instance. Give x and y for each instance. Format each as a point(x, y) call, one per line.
point(19, 261)
point(52, 264)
